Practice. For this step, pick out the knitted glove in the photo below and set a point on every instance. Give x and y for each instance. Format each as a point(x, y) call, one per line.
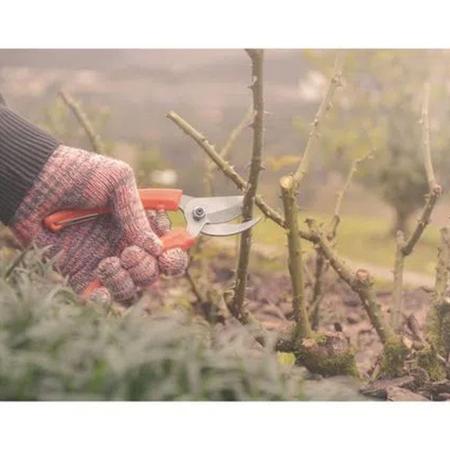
point(122, 250)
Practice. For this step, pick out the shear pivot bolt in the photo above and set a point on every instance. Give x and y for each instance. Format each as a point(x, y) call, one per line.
point(198, 213)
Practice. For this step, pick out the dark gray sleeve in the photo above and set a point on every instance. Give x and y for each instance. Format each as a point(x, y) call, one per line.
point(24, 149)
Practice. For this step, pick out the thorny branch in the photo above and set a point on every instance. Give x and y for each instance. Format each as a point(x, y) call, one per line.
point(94, 138)
point(321, 263)
point(360, 282)
point(210, 167)
point(257, 87)
point(228, 170)
point(405, 247)
point(340, 196)
point(302, 168)
point(314, 235)
point(324, 107)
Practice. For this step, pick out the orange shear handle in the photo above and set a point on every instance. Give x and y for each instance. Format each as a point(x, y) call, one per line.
point(157, 199)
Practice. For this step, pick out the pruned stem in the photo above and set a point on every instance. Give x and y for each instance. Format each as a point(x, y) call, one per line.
point(321, 265)
point(313, 235)
point(324, 107)
point(435, 189)
point(94, 138)
point(288, 195)
point(405, 247)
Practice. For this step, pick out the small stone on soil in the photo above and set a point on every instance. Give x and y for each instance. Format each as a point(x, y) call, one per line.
point(380, 388)
point(398, 394)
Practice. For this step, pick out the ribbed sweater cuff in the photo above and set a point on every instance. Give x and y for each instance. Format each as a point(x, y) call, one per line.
point(24, 150)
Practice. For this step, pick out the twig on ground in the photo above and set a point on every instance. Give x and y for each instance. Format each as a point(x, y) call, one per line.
point(94, 138)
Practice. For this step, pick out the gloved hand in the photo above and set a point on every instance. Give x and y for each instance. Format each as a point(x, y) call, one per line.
point(122, 250)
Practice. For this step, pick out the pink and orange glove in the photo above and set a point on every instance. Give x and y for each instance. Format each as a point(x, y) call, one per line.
point(123, 250)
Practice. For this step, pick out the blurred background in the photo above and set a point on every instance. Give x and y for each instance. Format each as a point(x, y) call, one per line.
point(127, 93)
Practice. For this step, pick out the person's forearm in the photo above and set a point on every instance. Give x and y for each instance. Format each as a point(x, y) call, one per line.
point(24, 150)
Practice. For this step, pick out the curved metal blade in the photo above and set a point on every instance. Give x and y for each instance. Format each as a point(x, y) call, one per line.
point(228, 229)
point(218, 209)
point(227, 213)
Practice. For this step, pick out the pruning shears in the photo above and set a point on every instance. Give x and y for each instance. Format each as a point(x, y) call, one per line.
point(203, 215)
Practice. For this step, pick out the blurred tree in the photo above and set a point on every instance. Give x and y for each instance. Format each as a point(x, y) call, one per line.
point(379, 107)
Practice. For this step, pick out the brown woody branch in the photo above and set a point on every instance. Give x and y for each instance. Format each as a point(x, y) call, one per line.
point(360, 282)
point(228, 170)
point(94, 138)
point(324, 107)
point(313, 235)
point(340, 196)
point(210, 167)
point(257, 87)
point(321, 265)
point(291, 212)
point(405, 247)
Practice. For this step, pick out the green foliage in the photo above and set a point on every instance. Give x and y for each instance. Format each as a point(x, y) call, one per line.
point(393, 358)
point(328, 355)
point(427, 359)
point(52, 348)
point(438, 328)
